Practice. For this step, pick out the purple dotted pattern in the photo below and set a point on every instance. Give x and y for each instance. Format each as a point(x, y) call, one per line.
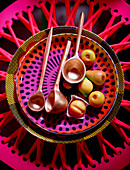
point(29, 85)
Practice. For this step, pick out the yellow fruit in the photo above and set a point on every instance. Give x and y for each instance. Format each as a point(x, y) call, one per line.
point(77, 108)
point(96, 76)
point(96, 99)
point(88, 57)
point(85, 87)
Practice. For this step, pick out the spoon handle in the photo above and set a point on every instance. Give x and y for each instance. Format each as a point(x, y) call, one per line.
point(80, 26)
point(63, 59)
point(45, 58)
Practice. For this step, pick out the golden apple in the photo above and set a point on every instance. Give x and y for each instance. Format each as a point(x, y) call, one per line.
point(96, 99)
point(88, 57)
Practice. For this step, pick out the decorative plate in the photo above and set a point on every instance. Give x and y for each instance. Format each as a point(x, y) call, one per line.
point(60, 127)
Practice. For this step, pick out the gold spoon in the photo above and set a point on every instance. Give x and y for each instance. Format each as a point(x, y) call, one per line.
point(56, 101)
point(37, 101)
point(74, 69)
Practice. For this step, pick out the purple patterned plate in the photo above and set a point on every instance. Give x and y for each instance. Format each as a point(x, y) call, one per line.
point(28, 77)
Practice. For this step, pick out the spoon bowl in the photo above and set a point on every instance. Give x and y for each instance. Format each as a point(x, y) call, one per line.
point(56, 102)
point(36, 102)
point(74, 70)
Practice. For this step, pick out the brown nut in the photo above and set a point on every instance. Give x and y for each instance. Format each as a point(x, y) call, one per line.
point(77, 108)
point(67, 85)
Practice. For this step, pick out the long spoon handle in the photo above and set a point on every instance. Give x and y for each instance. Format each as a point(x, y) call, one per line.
point(64, 57)
point(45, 58)
point(80, 26)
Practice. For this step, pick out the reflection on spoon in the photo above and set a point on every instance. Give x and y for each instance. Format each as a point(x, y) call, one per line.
point(74, 74)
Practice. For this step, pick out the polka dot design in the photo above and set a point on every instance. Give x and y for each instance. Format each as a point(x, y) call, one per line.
point(29, 75)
